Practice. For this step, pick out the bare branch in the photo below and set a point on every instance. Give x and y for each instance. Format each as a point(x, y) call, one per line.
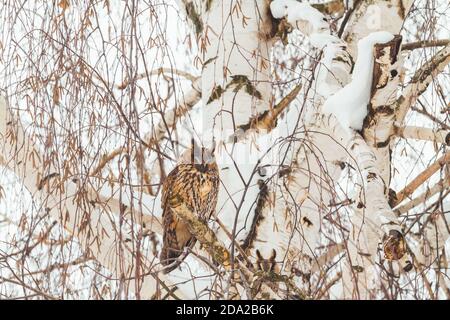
point(170, 117)
point(168, 71)
point(425, 44)
point(100, 241)
point(420, 179)
point(208, 238)
point(267, 120)
point(419, 133)
point(421, 199)
point(420, 82)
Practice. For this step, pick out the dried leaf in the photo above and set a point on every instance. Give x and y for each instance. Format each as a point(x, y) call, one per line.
point(64, 4)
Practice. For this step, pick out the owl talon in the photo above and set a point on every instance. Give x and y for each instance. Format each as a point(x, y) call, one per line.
point(394, 246)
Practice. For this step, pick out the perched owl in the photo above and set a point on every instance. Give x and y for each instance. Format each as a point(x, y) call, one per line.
point(195, 180)
point(265, 269)
point(266, 265)
point(394, 246)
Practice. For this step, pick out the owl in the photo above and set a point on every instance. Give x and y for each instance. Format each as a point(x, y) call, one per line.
point(266, 265)
point(394, 246)
point(265, 269)
point(195, 180)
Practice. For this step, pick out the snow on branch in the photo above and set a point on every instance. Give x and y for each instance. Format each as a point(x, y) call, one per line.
point(378, 125)
point(374, 15)
point(349, 105)
point(297, 14)
point(310, 21)
point(336, 62)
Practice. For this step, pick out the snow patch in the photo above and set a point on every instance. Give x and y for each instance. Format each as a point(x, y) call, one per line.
point(349, 105)
point(295, 11)
point(322, 40)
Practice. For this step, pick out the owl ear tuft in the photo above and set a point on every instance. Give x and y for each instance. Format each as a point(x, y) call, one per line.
point(192, 150)
point(196, 152)
point(213, 147)
point(258, 255)
point(273, 255)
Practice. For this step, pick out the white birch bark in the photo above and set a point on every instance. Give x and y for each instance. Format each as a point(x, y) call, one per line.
point(235, 89)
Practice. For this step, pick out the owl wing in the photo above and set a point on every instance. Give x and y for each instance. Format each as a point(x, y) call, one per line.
point(211, 196)
point(176, 234)
point(168, 184)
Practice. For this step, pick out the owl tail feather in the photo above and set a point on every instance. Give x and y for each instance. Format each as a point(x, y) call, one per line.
point(171, 258)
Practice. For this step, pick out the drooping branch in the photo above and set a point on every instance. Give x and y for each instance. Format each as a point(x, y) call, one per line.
point(328, 256)
point(168, 121)
point(106, 159)
point(433, 236)
point(101, 243)
point(235, 73)
point(189, 9)
point(423, 111)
